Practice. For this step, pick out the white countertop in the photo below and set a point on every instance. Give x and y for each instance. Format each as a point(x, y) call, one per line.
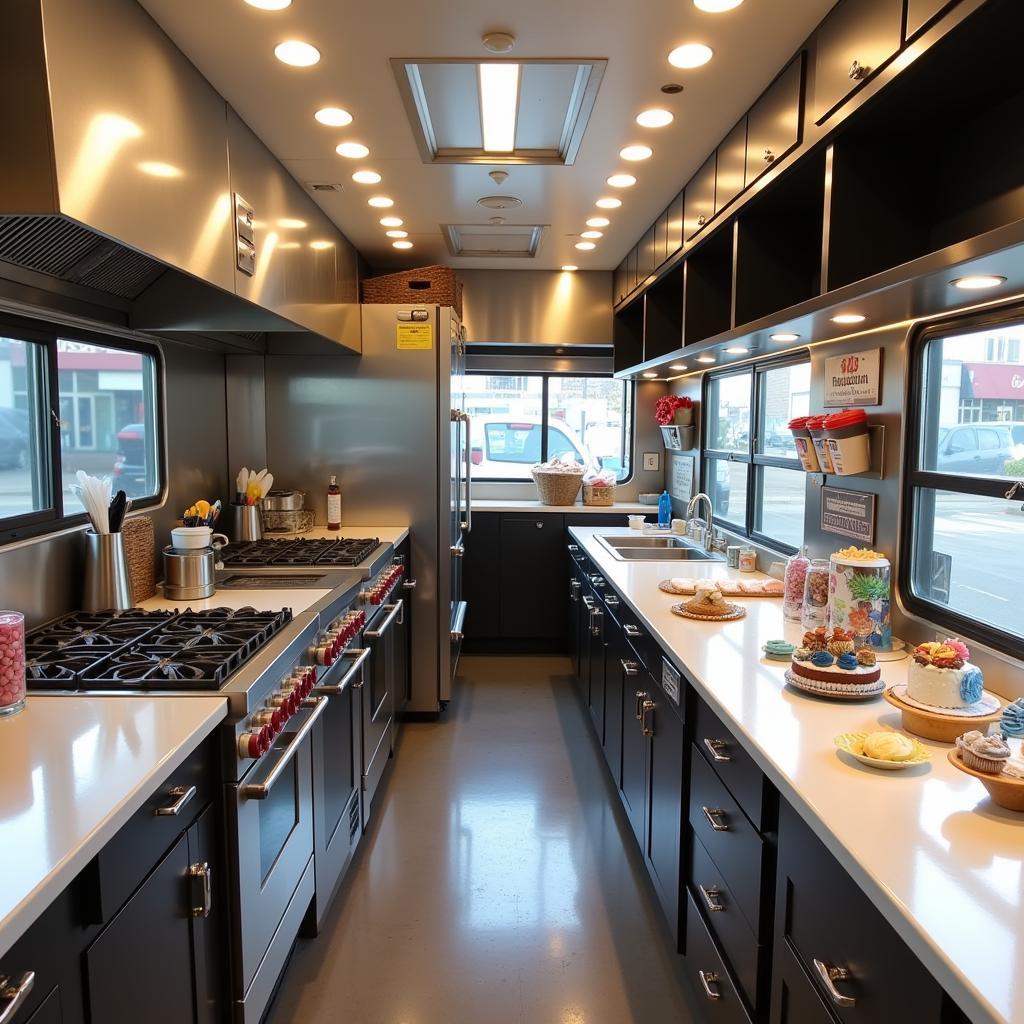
point(625, 507)
point(268, 600)
point(390, 534)
point(73, 770)
point(943, 864)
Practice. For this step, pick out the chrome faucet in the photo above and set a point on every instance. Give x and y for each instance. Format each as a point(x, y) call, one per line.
point(708, 529)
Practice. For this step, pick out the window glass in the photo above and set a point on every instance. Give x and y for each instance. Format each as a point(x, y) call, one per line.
point(785, 393)
point(729, 413)
point(108, 418)
point(727, 482)
point(513, 442)
point(24, 448)
point(779, 509)
point(591, 417)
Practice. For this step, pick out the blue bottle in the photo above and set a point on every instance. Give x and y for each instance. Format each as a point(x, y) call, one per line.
point(664, 511)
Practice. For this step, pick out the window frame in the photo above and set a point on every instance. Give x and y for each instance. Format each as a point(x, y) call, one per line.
point(53, 519)
point(546, 376)
point(752, 459)
point(916, 480)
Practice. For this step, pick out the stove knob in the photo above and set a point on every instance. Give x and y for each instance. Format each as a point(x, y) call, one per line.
point(323, 654)
point(270, 718)
point(255, 744)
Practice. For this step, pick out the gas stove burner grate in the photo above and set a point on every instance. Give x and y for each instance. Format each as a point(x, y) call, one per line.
point(59, 668)
point(103, 630)
point(298, 553)
point(160, 667)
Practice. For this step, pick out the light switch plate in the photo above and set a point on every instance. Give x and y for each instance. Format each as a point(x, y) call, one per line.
point(652, 461)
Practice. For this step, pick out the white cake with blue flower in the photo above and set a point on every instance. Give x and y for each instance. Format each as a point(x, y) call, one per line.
point(941, 676)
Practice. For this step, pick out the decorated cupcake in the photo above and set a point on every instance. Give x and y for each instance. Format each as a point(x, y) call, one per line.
point(815, 639)
point(983, 753)
point(1012, 723)
point(840, 642)
point(866, 657)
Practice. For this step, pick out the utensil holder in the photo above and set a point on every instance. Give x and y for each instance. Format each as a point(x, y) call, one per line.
point(107, 583)
point(248, 522)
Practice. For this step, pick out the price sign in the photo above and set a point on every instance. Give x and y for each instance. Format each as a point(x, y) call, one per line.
point(853, 379)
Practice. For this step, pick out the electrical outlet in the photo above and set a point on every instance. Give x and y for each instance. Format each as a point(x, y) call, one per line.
point(652, 461)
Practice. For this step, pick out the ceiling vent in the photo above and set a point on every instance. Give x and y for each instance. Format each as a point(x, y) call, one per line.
point(500, 202)
point(551, 105)
point(490, 241)
point(324, 186)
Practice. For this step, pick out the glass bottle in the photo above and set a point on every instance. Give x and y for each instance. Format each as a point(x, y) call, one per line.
point(334, 505)
point(815, 611)
point(794, 579)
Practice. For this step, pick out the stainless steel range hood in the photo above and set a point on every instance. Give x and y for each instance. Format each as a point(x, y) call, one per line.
point(121, 171)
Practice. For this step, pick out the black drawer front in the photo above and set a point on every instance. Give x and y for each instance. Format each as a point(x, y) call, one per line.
point(729, 927)
point(733, 765)
point(125, 860)
point(714, 989)
point(825, 916)
point(795, 1000)
point(735, 845)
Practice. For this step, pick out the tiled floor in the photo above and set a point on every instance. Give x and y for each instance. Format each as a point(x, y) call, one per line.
point(495, 886)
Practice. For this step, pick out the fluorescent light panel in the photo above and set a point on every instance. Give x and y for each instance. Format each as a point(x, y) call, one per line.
point(499, 98)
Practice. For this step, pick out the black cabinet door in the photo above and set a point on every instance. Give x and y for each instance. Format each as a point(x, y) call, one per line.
point(773, 124)
point(715, 990)
point(573, 616)
point(794, 999)
point(638, 686)
point(619, 282)
point(665, 804)
point(647, 259)
point(532, 575)
point(208, 916)
point(699, 199)
point(674, 227)
point(616, 652)
point(598, 650)
point(140, 967)
point(852, 43)
point(631, 269)
point(479, 567)
point(921, 12)
point(730, 173)
point(49, 1012)
point(661, 240)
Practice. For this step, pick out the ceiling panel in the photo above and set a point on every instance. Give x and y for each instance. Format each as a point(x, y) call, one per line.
point(545, 93)
point(453, 101)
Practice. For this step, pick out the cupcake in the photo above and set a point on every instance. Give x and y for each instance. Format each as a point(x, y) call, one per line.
point(866, 657)
point(1012, 723)
point(983, 753)
point(839, 643)
point(814, 639)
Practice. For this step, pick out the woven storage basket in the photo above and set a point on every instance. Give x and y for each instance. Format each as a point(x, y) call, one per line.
point(140, 553)
point(555, 488)
point(599, 494)
point(427, 284)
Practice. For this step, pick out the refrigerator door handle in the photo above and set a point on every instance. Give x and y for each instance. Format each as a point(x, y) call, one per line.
point(468, 524)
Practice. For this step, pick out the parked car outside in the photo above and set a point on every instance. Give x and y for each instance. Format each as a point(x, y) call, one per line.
point(131, 470)
point(974, 448)
point(13, 445)
point(505, 448)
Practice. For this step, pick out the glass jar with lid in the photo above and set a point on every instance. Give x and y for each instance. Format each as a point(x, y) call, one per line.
point(815, 610)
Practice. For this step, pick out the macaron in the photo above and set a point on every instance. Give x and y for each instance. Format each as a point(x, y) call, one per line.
point(779, 650)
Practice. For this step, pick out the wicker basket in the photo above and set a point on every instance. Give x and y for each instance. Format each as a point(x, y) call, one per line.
point(140, 553)
point(557, 488)
point(598, 494)
point(436, 285)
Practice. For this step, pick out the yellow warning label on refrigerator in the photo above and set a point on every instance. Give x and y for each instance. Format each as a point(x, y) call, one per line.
point(412, 336)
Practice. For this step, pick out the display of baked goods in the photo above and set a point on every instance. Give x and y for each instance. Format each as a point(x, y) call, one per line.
point(1012, 722)
point(778, 650)
point(941, 676)
point(730, 588)
point(983, 753)
point(816, 668)
point(1006, 788)
point(886, 749)
point(708, 603)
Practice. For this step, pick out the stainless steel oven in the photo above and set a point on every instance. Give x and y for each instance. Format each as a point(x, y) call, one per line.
point(379, 695)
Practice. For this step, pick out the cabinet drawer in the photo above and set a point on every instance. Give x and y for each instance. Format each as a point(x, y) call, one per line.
point(852, 43)
point(730, 928)
point(730, 174)
point(773, 125)
point(825, 917)
point(128, 857)
point(733, 765)
point(733, 843)
point(794, 997)
point(699, 199)
point(713, 988)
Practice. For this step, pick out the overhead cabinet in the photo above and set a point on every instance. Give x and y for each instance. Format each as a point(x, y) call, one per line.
point(699, 199)
point(773, 124)
point(730, 172)
point(921, 12)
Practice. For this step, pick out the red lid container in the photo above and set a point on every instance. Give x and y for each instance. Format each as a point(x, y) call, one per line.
point(816, 422)
point(800, 423)
point(846, 418)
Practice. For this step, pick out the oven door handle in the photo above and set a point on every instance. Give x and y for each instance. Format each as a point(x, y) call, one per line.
point(357, 657)
point(393, 610)
point(261, 790)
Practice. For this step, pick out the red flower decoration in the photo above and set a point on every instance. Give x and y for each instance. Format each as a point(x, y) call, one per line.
point(665, 408)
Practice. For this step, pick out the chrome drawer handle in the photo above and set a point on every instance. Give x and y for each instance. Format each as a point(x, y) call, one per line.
point(631, 631)
point(588, 603)
point(645, 708)
point(410, 584)
point(612, 601)
point(184, 794)
point(574, 547)
point(641, 696)
point(769, 156)
point(393, 610)
point(859, 71)
point(712, 899)
point(358, 657)
point(716, 747)
point(702, 220)
point(199, 875)
point(707, 979)
point(596, 615)
point(829, 975)
point(714, 816)
point(630, 668)
point(14, 992)
point(261, 790)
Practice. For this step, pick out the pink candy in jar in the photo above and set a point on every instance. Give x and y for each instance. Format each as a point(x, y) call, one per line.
point(12, 662)
point(795, 576)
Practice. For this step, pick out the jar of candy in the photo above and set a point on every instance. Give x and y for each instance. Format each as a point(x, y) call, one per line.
point(793, 580)
point(12, 662)
point(815, 610)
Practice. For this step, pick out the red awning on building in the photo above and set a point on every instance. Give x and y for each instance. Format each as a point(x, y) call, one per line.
point(993, 380)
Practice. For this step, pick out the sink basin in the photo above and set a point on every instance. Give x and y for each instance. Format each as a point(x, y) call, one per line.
point(656, 549)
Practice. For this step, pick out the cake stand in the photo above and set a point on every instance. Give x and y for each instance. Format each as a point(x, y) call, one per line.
point(1005, 790)
point(935, 726)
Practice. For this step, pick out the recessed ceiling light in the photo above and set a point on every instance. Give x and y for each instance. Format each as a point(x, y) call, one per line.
point(622, 181)
point(678, 366)
point(333, 117)
point(397, 233)
point(585, 246)
point(391, 222)
point(402, 245)
point(297, 53)
point(737, 350)
point(974, 281)
point(352, 150)
point(498, 42)
point(366, 178)
point(381, 202)
point(716, 6)
point(598, 222)
point(848, 318)
point(672, 89)
point(705, 359)
point(569, 267)
point(649, 376)
point(636, 152)
point(321, 244)
point(656, 117)
point(158, 169)
point(608, 203)
point(591, 234)
point(270, 5)
point(690, 55)
point(499, 98)
point(785, 336)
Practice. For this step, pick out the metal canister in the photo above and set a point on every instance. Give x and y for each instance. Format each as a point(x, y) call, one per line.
point(732, 556)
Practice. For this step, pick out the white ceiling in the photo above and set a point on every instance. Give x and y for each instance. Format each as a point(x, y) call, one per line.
point(232, 44)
